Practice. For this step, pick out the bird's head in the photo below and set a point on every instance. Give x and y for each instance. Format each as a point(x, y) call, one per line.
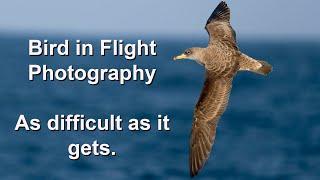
point(191, 53)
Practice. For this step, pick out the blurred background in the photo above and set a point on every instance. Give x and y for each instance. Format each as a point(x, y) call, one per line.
point(274, 134)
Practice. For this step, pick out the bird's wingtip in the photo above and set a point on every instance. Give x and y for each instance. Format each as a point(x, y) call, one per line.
point(223, 3)
point(221, 12)
point(193, 174)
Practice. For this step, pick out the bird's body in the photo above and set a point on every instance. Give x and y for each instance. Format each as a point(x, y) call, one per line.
point(222, 60)
point(226, 63)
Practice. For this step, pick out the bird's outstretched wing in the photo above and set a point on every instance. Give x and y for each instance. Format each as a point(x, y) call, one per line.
point(218, 25)
point(212, 103)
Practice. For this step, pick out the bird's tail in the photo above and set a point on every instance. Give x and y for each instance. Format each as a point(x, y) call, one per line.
point(257, 66)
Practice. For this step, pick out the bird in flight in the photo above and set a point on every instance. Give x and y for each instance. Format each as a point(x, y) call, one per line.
point(222, 60)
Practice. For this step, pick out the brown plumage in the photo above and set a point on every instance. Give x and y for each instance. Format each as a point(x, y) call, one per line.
point(222, 60)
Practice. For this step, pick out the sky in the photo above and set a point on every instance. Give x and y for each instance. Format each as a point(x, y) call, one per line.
point(176, 17)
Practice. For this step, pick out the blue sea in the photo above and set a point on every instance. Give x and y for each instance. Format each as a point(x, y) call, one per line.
point(271, 129)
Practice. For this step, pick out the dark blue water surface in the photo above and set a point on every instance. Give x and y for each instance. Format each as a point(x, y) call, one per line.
point(271, 129)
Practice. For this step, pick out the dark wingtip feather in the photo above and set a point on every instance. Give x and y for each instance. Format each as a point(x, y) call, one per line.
point(221, 13)
point(193, 174)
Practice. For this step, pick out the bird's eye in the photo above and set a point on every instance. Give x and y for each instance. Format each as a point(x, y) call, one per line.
point(187, 52)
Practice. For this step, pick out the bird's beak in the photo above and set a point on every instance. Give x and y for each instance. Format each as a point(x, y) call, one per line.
point(182, 56)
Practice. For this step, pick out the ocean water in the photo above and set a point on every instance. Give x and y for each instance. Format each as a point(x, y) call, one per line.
point(271, 129)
